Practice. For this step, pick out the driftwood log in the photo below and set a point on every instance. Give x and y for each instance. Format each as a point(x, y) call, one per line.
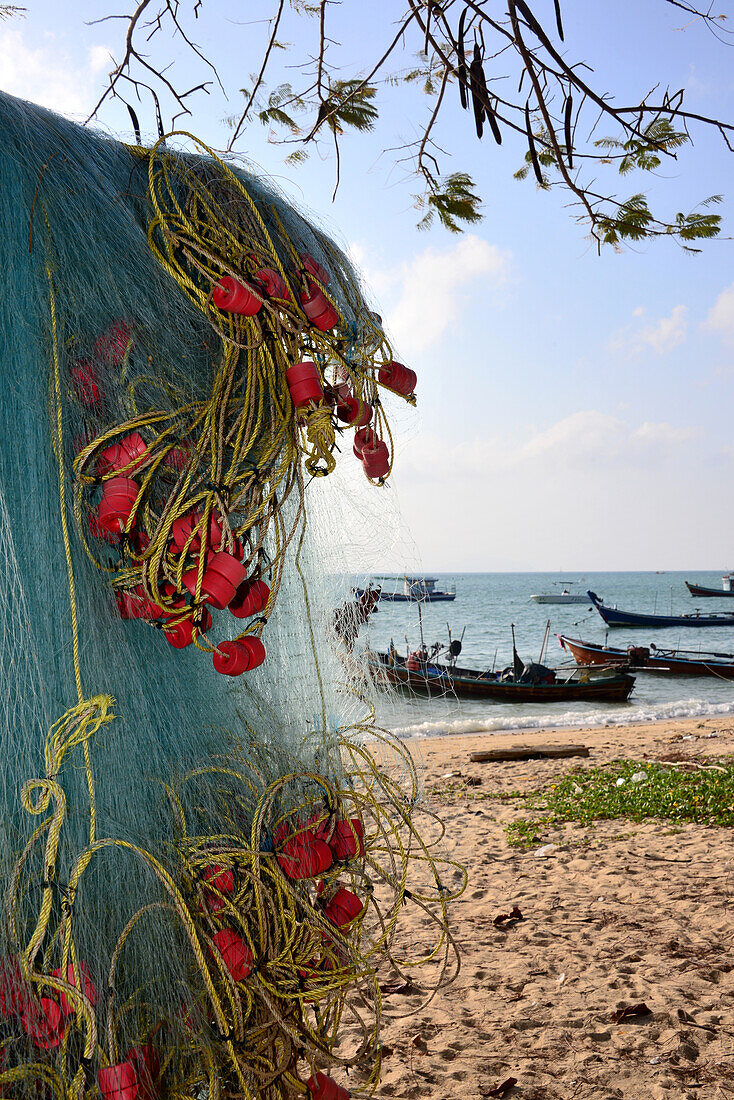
point(527, 752)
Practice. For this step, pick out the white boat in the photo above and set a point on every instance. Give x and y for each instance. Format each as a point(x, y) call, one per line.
point(564, 596)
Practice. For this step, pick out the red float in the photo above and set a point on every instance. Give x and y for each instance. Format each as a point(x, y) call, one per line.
point(313, 267)
point(86, 383)
point(322, 1087)
point(136, 605)
point(232, 297)
point(343, 908)
point(304, 382)
point(234, 658)
point(146, 1062)
point(87, 986)
point(222, 577)
point(318, 308)
point(376, 459)
point(15, 994)
point(353, 412)
point(127, 454)
point(44, 1023)
point(397, 377)
point(272, 283)
point(347, 839)
point(250, 598)
point(178, 458)
point(236, 955)
point(304, 856)
point(113, 345)
point(119, 495)
point(119, 1082)
point(183, 527)
point(365, 437)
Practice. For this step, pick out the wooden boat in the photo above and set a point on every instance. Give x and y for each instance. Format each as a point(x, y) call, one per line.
point(612, 616)
point(678, 662)
point(418, 590)
point(699, 590)
point(467, 683)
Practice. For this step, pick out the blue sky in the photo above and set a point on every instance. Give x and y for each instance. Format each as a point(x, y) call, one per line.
point(574, 410)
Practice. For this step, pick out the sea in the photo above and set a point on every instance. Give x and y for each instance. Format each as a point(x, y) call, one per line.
point(481, 616)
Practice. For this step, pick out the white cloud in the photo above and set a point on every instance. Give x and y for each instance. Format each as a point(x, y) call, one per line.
point(657, 335)
point(583, 440)
point(45, 74)
point(721, 317)
point(432, 290)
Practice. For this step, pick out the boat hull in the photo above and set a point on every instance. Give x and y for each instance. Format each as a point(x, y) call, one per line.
point(429, 597)
point(550, 598)
point(612, 616)
point(698, 590)
point(610, 689)
point(589, 653)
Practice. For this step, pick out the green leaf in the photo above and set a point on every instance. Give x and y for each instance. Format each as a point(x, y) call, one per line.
point(452, 201)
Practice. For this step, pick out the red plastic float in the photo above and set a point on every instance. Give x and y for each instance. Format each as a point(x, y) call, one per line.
point(135, 604)
point(233, 297)
point(112, 346)
point(44, 1023)
point(353, 412)
point(318, 308)
point(87, 986)
point(119, 1082)
point(178, 458)
point(146, 1062)
point(250, 598)
point(376, 459)
point(183, 527)
point(343, 908)
point(15, 994)
point(86, 383)
point(119, 495)
point(313, 267)
point(305, 856)
point(236, 955)
point(304, 382)
point(397, 377)
point(223, 575)
point(364, 437)
point(273, 284)
point(347, 839)
point(127, 454)
point(322, 1087)
point(234, 658)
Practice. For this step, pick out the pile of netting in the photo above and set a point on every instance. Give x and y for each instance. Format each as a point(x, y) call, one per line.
point(203, 873)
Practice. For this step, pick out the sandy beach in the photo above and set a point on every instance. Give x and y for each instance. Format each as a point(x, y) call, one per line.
point(615, 915)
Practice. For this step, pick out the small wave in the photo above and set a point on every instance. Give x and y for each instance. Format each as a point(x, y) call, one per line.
point(658, 712)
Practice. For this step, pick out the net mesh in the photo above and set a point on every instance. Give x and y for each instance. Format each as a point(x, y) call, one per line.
point(202, 870)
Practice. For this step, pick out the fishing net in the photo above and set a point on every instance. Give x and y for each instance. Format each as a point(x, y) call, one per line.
point(206, 844)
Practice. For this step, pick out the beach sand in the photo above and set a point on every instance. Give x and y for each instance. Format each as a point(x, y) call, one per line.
point(617, 914)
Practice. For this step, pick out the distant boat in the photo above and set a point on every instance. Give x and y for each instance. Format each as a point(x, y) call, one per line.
point(612, 616)
point(434, 679)
point(727, 589)
point(564, 596)
point(678, 662)
point(419, 590)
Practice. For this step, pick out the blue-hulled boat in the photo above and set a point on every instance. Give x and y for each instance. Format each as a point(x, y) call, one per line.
point(612, 616)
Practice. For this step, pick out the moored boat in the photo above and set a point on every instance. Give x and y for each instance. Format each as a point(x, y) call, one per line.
point(434, 679)
point(677, 662)
point(613, 616)
point(698, 590)
point(419, 590)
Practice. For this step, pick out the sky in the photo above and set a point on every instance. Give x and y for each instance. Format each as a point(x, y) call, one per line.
point(574, 410)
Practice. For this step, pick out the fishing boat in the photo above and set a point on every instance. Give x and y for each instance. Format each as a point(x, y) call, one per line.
point(435, 679)
point(612, 616)
point(727, 589)
point(677, 662)
point(419, 590)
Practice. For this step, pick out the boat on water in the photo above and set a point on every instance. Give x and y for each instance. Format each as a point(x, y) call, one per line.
point(532, 683)
point(677, 662)
point(564, 596)
point(613, 616)
point(727, 588)
point(419, 590)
